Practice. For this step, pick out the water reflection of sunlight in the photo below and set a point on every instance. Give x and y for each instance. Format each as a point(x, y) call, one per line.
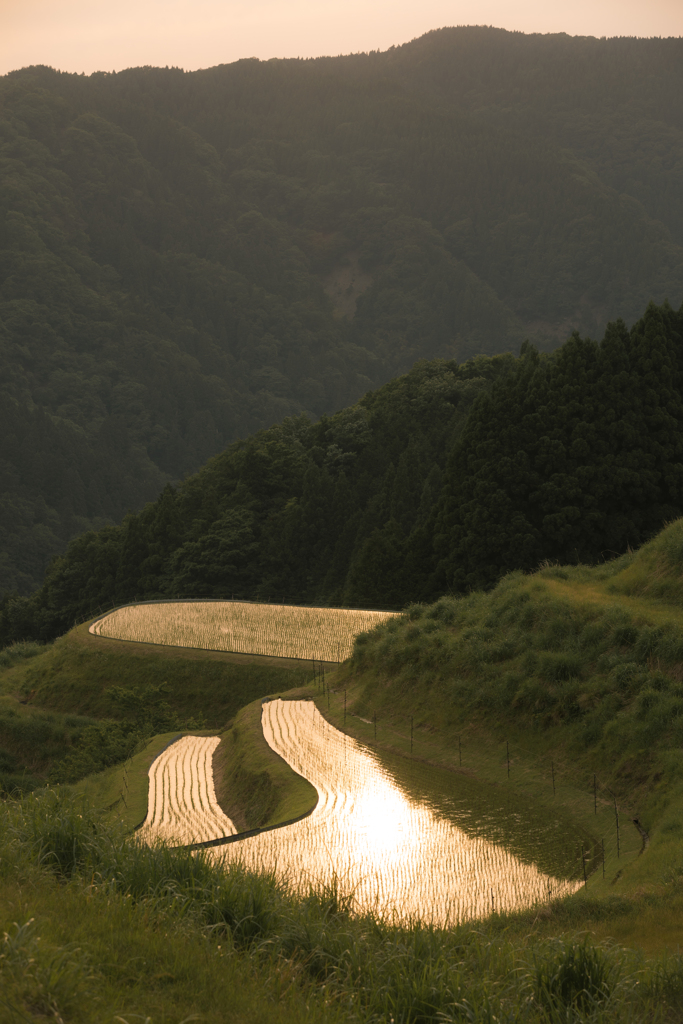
point(379, 817)
point(395, 854)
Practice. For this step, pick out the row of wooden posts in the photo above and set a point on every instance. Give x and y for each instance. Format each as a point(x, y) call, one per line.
point(319, 676)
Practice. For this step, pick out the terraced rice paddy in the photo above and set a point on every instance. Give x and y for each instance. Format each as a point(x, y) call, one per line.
point(401, 855)
point(182, 806)
point(282, 631)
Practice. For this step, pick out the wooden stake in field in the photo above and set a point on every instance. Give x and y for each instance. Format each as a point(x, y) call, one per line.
point(411, 734)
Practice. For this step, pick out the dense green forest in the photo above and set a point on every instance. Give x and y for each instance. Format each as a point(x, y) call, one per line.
point(443, 480)
point(188, 258)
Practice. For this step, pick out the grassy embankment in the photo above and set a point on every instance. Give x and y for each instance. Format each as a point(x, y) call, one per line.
point(83, 690)
point(254, 786)
point(576, 670)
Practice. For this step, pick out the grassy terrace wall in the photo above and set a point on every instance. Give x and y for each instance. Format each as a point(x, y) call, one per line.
point(254, 785)
point(72, 699)
point(574, 670)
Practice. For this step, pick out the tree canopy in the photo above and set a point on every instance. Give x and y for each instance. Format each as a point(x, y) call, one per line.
point(443, 480)
point(188, 258)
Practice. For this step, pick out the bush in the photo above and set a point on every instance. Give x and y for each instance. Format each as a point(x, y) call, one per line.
point(20, 651)
point(560, 667)
point(576, 975)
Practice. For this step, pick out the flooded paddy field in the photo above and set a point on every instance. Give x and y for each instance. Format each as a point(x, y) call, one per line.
point(242, 627)
point(406, 839)
point(182, 804)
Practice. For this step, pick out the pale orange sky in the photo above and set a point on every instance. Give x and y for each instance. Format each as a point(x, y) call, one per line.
point(91, 35)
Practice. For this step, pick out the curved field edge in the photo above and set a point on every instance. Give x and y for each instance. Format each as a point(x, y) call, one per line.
point(573, 669)
point(296, 633)
point(76, 673)
point(123, 790)
point(254, 786)
point(639, 903)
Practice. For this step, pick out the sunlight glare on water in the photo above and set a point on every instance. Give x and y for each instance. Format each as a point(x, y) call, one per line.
point(398, 856)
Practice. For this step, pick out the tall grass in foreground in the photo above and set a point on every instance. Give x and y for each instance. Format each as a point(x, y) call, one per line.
point(375, 971)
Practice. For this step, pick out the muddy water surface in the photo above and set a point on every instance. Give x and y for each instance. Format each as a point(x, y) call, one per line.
point(407, 840)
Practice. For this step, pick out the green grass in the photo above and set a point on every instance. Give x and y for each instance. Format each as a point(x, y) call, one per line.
point(576, 668)
point(58, 703)
point(80, 951)
point(123, 789)
point(128, 930)
point(256, 786)
point(573, 669)
point(32, 740)
point(78, 672)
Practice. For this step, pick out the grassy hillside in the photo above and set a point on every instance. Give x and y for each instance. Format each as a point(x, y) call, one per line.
point(254, 785)
point(81, 951)
point(552, 684)
point(574, 674)
point(86, 703)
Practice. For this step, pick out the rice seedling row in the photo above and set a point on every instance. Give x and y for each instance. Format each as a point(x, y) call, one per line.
point(396, 855)
point(182, 806)
point(283, 631)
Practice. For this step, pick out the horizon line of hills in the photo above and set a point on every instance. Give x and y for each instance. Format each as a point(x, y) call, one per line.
point(441, 481)
point(189, 258)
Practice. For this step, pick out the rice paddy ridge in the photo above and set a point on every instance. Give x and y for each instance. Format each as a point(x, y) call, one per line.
point(77, 672)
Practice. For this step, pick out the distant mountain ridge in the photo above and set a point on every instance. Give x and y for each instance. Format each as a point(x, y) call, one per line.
point(188, 258)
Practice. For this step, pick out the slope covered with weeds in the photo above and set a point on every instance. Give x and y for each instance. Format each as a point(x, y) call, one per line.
point(246, 927)
point(597, 651)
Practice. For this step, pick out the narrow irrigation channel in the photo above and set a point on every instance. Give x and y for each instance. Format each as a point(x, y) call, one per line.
point(406, 845)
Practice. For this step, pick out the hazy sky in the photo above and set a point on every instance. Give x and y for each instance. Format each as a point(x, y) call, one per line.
point(91, 35)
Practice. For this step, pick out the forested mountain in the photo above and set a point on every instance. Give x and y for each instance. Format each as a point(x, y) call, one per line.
point(441, 481)
point(188, 258)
